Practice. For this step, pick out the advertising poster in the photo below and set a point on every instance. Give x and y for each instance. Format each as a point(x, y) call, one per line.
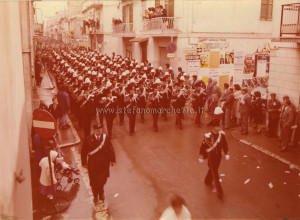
point(222, 58)
point(238, 67)
point(262, 65)
point(229, 58)
point(214, 60)
point(249, 64)
point(193, 64)
point(204, 60)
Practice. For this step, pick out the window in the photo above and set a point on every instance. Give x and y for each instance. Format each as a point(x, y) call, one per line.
point(168, 5)
point(266, 10)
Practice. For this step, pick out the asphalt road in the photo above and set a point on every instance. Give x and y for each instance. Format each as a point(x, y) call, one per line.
point(152, 166)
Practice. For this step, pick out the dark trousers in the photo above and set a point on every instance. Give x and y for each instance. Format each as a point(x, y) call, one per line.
point(155, 119)
point(198, 117)
point(109, 124)
point(178, 119)
point(121, 115)
point(244, 122)
point(212, 175)
point(131, 118)
point(286, 133)
point(97, 184)
point(273, 125)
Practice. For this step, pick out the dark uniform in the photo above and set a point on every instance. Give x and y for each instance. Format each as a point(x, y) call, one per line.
point(198, 102)
point(155, 104)
point(211, 149)
point(97, 155)
point(131, 105)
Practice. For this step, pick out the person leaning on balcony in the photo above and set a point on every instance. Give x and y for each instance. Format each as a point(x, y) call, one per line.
point(287, 118)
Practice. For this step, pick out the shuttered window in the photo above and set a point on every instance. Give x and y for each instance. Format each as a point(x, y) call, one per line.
point(266, 11)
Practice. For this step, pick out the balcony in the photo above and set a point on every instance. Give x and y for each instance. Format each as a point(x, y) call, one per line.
point(290, 24)
point(162, 25)
point(93, 30)
point(123, 29)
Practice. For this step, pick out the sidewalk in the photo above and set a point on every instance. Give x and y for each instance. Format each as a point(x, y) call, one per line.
point(269, 146)
point(81, 206)
point(47, 90)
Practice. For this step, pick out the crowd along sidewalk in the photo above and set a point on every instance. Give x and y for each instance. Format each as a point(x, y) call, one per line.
point(47, 90)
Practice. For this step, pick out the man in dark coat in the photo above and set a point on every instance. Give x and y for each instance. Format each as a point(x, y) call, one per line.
point(245, 107)
point(198, 102)
point(64, 102)
point(273, 113)
point(211, 149)
point(98, 154)
point(287, 120)
point(228, 104)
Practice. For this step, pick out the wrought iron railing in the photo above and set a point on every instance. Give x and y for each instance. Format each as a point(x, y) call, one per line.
point(161, 23)
point(123, 28)
point(290, 23)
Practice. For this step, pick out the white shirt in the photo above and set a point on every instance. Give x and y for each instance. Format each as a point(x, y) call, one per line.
point(169, 214)
point(45, 178)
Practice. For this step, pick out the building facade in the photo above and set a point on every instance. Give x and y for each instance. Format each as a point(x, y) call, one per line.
point(16, 42)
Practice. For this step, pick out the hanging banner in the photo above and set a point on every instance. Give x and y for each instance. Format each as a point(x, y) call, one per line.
point(214, 60)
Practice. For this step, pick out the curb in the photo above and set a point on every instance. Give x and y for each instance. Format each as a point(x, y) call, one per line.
point(290, 164)
point(75, 134)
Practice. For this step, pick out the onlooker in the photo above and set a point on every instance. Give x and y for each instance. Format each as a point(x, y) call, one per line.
point(43, 105)
point(56, 111)
point(64, 102)
point(258, 111)
point(236, 105)
point(209, 89)
point(228, 104)
point(273, 115)
point(245, 107)
point(287, 117)
point(177, 210)
point(216, 94)
point(222, 99)
point(46, 187)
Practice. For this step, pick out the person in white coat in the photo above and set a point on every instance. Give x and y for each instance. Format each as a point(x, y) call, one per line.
point(177, 210)
point(45, 178)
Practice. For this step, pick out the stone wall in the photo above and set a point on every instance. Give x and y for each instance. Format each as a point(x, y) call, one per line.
point(284, 77)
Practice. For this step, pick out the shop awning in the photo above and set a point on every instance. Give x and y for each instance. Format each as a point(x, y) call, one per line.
point(139, 39)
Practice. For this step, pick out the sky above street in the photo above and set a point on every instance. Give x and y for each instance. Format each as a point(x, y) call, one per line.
point(47, 9)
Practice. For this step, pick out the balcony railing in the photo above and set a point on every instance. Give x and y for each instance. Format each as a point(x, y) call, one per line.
point(123, 28)
point(93, 30)
point(162, 23)
point(290, 23)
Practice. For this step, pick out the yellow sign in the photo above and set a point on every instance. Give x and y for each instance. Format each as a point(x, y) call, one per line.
point(214, 60)
point(223, 79)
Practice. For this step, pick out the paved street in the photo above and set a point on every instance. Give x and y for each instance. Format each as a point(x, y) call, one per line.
point(152, 166)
